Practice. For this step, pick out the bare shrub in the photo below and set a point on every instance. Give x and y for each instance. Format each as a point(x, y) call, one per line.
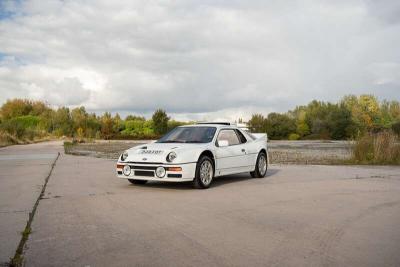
point(8, 139)
point(379, 148)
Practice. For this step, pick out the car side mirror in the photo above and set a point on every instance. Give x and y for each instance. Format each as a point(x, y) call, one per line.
point(223, 143)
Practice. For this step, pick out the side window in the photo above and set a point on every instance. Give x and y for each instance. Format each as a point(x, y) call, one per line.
point(230, 136)
point(241, 137)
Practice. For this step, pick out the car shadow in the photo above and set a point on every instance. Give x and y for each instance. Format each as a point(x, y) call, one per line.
point(218, 181)
point(240, 177)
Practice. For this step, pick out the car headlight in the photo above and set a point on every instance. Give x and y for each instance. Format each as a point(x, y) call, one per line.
point(124, 155)
point(171, 156)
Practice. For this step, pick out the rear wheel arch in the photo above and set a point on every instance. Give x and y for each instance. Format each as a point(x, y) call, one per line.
point(263, 150)
point(256, 173)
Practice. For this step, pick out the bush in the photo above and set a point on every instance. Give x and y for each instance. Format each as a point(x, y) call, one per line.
point(7, 139)
point(379, 148)
point(294, 136)
point(23, 126)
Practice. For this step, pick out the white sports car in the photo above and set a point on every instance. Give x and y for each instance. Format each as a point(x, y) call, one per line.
point(196, 153)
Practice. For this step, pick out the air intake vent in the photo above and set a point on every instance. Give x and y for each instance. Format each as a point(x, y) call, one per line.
point(217, 123)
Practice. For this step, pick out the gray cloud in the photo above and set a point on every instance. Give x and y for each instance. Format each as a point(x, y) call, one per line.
point(198, 59)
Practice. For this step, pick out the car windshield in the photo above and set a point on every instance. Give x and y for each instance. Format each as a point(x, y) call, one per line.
point(189, 135)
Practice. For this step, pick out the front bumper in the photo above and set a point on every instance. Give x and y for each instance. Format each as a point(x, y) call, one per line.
point(146, 171)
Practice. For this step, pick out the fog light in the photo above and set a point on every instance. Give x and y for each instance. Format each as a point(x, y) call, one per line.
point(160, 172)
point(127, 170)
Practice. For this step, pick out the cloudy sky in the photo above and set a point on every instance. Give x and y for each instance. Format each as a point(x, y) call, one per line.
point(198, 59)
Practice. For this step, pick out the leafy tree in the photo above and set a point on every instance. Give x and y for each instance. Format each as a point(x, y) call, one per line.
point(93, 126)
point(15, 108)
point(119, 124)
point(160, 122)
point(302, 127)
point(107, 126)
point(279, 126)
point(257, 123)
point(61, 122)
point(133, 117)
point(39, 108)
point(339, 122)
point(79, 119)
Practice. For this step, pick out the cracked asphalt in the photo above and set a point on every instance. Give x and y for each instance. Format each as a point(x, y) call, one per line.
point(296, 216)
point(23, 170)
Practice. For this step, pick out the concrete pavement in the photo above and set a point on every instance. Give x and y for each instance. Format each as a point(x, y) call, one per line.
point(297, 216)
point(23, 170)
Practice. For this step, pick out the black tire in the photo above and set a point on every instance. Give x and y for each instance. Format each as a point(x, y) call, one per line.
point(198, 182)
point(133, 181)
point(256, 173)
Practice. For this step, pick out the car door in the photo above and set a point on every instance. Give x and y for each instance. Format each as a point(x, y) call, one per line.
point(230, 158)
point(248, 150)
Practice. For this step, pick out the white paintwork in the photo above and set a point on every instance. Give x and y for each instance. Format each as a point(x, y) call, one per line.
point(228, 159)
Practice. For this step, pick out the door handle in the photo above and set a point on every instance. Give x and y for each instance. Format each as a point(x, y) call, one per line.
point(243, 150)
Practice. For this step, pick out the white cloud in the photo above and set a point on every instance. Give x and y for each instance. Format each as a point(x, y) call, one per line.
point(207, 59)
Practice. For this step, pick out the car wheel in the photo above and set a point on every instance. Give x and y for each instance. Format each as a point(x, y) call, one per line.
point(204, 173)
point(261, 167)
point(133, 181)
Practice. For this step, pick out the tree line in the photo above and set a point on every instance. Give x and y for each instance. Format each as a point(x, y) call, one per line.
point(29, 119)
point(350, 118)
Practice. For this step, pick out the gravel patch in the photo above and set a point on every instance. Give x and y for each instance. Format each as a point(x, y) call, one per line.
point(280, 152)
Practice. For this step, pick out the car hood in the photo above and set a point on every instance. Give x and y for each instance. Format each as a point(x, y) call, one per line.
point(157, 152)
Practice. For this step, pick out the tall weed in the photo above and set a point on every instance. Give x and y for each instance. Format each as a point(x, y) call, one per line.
point(378, 148)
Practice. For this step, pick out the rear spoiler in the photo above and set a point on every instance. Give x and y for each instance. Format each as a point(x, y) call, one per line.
point(260, 137)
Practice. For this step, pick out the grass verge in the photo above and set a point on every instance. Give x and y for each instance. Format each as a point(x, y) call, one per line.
point(7, 139)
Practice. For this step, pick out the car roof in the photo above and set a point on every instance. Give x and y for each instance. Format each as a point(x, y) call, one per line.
point(210, 125)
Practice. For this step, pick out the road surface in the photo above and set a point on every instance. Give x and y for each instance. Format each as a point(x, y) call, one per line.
point(23, 170)
point(296, 216)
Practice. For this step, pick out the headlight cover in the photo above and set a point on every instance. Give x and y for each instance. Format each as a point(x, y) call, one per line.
point(127, 170)
point(124, 155)
point(171, 156)
point(160, 172)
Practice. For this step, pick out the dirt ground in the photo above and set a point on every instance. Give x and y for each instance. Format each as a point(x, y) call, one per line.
point(280, 152)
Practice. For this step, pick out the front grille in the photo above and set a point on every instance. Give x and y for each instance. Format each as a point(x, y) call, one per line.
point(144, 168)
point(144, 173)
point(174, 175)
point(137, 162)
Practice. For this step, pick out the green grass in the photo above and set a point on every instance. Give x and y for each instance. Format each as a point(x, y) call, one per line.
point(18, 258)
point(68, 146)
